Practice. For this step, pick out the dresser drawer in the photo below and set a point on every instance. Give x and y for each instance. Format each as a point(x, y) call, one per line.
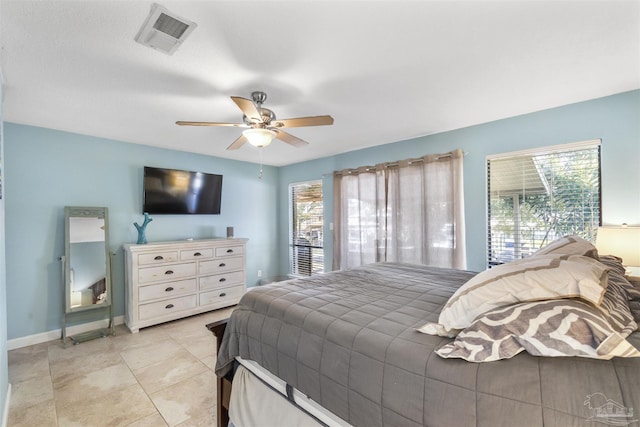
point(221, 265)
point(166, 290)
point(166, 307)
point(225, 251)
point(157, 257)
point(221, 280)
point(166, 272)
point(188, 255)
point(221, 296)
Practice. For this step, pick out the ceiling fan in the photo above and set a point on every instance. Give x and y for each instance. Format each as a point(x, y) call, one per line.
point(262, 125)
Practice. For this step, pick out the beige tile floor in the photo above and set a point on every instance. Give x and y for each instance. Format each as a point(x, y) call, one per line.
point(161, 376)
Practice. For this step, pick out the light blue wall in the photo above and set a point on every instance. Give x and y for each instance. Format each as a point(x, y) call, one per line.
point(614, 119)
point(4, 370)
point(50, 169)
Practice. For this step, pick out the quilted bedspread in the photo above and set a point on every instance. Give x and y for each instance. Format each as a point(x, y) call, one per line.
point(347, 339)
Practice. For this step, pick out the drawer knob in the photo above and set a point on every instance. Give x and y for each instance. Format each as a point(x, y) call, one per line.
point(222, 264)
point(159, 258)
point(229, 251)
point(223, 294)
point(169, 289)
point(197, 254)
point(223, 280)
point(168, 306)
point(168, 272)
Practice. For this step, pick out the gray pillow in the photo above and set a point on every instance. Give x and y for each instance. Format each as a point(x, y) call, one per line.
point(617, 274)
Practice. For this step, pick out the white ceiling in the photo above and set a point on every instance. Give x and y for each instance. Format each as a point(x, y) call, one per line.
point(386, 70)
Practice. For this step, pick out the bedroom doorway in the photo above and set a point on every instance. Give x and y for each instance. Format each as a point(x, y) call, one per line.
point(306, 226)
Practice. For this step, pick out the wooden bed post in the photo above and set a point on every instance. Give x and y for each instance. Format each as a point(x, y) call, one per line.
point(224, 383)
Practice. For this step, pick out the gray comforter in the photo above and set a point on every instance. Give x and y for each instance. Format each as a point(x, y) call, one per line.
point(347, 340)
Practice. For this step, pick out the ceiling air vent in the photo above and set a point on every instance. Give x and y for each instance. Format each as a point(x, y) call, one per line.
point(163, 30)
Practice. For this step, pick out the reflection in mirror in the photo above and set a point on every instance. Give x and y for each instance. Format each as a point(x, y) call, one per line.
point(87, 263)
point(86, 267)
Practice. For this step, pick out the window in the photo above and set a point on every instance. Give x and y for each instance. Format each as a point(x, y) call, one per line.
point(306, 253)
point(537, 196)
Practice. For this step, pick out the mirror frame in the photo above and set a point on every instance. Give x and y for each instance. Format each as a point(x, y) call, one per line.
point(85, 212)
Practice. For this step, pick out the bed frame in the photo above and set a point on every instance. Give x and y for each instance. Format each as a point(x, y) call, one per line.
point(223, 385)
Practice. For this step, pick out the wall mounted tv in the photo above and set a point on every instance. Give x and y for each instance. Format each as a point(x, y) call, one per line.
point(178, 192)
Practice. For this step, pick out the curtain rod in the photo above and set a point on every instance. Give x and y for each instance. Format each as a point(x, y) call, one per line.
point(394, 163)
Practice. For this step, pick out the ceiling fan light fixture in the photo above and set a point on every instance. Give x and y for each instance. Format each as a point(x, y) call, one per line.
point(259, 137)
point(261, 124)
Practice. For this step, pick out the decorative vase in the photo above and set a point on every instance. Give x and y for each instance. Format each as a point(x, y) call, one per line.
point(142, 237)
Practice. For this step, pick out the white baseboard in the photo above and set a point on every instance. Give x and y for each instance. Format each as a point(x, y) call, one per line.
point(5, 415)
point(57, 333)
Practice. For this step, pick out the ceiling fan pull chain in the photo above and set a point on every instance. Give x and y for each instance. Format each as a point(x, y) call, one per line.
point(260, 174)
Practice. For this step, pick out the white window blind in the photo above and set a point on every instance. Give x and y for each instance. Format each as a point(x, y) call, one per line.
point(306, 253)
point(537, 196)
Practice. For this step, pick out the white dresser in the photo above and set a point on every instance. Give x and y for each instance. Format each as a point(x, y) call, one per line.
point(170, 280)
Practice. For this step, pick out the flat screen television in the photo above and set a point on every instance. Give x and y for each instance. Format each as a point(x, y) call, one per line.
point(177, 192)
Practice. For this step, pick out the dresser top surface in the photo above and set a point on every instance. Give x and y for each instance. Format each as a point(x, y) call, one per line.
point(133, 247)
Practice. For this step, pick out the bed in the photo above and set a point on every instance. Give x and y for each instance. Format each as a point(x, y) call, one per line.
point(348, 341)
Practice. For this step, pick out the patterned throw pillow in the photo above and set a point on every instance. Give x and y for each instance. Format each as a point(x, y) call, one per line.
point(570, 245)
point(565, 327)
point(614, 263)
point(617, 274)
point(531, 279)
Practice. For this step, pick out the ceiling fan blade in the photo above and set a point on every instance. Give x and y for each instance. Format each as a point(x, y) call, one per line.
point(290, 139)
point(237, 143)
point(183, 123)
point(248, 108)
point(303, 121)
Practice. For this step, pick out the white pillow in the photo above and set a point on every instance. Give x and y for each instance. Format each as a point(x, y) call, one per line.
point(536, 278)
point(570, 245)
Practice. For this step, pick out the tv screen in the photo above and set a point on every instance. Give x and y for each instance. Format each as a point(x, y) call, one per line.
point(171, 191)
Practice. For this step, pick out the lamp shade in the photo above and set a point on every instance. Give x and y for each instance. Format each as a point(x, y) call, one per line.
point(259, 137)
point(623, 242)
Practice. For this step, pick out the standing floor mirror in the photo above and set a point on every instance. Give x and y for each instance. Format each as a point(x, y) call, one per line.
point(86, 270)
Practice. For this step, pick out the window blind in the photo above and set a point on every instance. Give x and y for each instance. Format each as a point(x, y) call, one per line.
point(537, 196)
point(306, 253)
